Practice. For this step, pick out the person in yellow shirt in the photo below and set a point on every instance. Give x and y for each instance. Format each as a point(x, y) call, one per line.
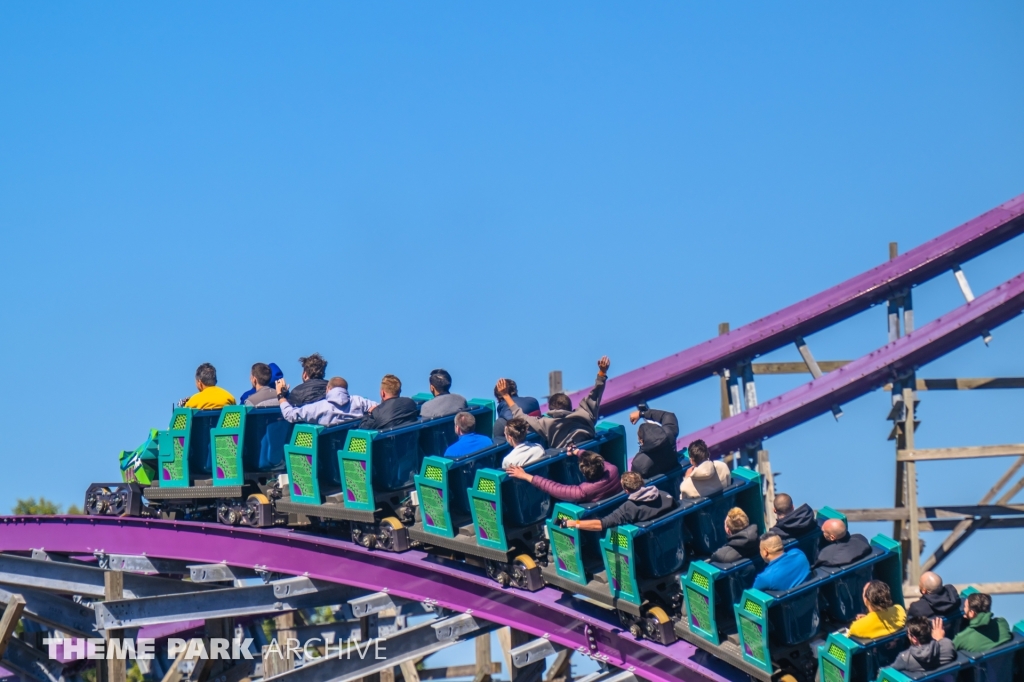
point(210, 396)
point(883, 617)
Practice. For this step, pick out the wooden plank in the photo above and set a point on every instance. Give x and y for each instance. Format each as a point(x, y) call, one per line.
point(825, 366)
point(723, 383)
point(994, 588)
point(969, 384)
point(447, 673)
point(9, 621)
point(927, 513)
point(805, 352)
point(409, 671)
point(910, 454)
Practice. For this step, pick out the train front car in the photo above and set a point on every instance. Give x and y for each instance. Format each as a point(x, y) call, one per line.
point(208, 464)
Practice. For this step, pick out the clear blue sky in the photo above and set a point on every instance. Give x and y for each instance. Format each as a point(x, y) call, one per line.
point(496, 190)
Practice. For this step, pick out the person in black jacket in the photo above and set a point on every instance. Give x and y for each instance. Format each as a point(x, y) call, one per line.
point(937, 600)
point(644, 503)
point(394, 410)
point(657, 438)
point(313, 386)
point(744, 541)
point(792, 523)
point(843, 548)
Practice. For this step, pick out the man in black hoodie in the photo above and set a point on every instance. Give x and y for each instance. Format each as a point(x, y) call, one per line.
point(792, 523)
point(393, 410)
point(744, 541)
point(644, 503)
point(843, 548)
point(657, 441)
point(937, 600)
point(313, 386)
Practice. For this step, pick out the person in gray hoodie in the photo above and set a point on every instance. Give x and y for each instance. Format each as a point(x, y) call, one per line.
point(563, 425)
point(336, 407)
point(929, 648)
point(443, 403)
point(643, 503)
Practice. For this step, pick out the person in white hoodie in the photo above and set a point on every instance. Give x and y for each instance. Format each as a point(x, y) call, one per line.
point(522, 453)
point(336, 407)
point(705, 476)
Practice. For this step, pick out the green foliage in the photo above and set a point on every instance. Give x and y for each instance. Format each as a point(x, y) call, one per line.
point(135, 673)
point(42, 507)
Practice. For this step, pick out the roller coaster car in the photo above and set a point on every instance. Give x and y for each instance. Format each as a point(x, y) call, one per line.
point(239, 448)
point(368, 481)
point(498, 520)
point(635, 569)
point(771, 634)
point(848, 659)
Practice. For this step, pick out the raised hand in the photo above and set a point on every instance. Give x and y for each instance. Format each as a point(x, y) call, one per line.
point(634, 416)
point(503, 387)
point(281, 386)
point(604, 363)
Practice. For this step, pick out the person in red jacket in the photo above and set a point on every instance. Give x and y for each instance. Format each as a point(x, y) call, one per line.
point(601, 479)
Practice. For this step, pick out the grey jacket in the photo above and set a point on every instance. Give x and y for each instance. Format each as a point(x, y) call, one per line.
point(261, 396)
point(923, 657)
point(561, 427)
point(442, 406)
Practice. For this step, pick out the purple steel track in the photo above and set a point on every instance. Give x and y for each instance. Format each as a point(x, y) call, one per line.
point(815, 313)
point(412, 575)
point(865, 374)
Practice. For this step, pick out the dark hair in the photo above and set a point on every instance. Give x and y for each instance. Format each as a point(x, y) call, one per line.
point(559, 401)
point(261, 372)
point(207, 374)
point(920, 629)
point(979, 602)
point(878, 595)
point(783, 503)
point(513, 390)
point(314, 366)
point(698, 452)
point(591, 465)
point(465, 421)
point(517, 428)
point(441, 380)
point(631, 481)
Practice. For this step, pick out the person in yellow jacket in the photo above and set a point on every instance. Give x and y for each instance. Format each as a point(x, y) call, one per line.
point(883, 617)
point(210, 396)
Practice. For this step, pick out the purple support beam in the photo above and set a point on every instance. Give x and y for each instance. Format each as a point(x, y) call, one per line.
point(412, 575)
point(865, 374)
point(815, 313)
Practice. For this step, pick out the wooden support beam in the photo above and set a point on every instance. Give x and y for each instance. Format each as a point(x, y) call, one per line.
point(909, 454)
point(482, 671)
point(928, 513)
point(113, 589)
point(445, 673)
point(825, 366)
point(561, 669)
point(994, 588)
point(554, 382)
point(411, 674)
point(723, 381)
point(964, 529)
point(914, 574)
point(9, 621)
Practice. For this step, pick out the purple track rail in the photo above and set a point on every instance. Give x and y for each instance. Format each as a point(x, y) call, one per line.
point(815, 313)
point(412, 575)
point(868, 373)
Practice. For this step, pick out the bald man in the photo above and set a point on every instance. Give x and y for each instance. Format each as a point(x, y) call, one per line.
point(937, 600)
point(843, 548)
point(785, 570)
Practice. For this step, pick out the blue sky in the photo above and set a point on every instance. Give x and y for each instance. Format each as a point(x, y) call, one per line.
point(496, 190)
